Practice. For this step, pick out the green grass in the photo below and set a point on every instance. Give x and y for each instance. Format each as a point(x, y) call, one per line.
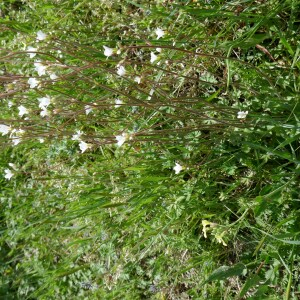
point(118, 222)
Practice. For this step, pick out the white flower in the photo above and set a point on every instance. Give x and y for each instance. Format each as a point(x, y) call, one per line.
point(41, 140)
point(121, 71)
point(177, 168)
point(159, 32)
point(121, 139)
point(16, 140)
point(10, 104)
point(13, 166)
point(118, 103)
point(108, 51)
point(16, 135)
point(44, 112)
point(31, 49)
point(153, 57)
point(4, 129)
point(150, 94)
point(22, 110)
point(242, 114)
point(158, 50)
point(40, 35)
point(137, 79)
point(84, 146)
point(44, 102)
point(53, 76)
point(88, 109)
point(8, 174)
point(77, 136)
point(17, 132)
point(41, 69)
point(33, 82)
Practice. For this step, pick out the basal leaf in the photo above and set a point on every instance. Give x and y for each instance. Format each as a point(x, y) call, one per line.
point(225, 272)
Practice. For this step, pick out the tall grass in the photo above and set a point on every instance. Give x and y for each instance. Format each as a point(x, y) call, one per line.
point(176, 179)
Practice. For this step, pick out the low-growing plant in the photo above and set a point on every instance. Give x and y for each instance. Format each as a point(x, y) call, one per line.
point(150, 150)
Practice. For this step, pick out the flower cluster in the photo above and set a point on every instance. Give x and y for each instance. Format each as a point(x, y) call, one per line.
point(44, 102)
point(215, 230)
point(83, 146)
point(38, 66)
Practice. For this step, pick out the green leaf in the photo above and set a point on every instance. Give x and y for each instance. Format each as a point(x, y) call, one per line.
point(154, 178)
point(18, 26)
point(261, 206)
point(290, 242)
point(287, 45)
point(285, 155)
point(110, 205)
point(250, 282)
point(260, 292)
point(225, 272)
point(135, 168)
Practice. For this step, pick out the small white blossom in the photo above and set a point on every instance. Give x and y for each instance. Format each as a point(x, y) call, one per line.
point(77, 135)
point(40, 35)
point(158, 49)
point(153, 57)
point(8, 174)
point(18, 132)
point(10, 104)
point(4, 129)
point(16, 136)
point(150, 94)
point(44, 102)
point(13, 166)
point(177, 168)
point(22, 110)
point(88, 109)
point(84, 146)
point(159, 32)
point(118, 103)
point(53, 76)
point(33, 82)
point(44, 112)
point(121, 139)
point(121, 71)
point(41, 140)
point(32, 50)
point(16, 140)
point(242, 114)
point(137, 79)
point(41, 69)
point(108, 51)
